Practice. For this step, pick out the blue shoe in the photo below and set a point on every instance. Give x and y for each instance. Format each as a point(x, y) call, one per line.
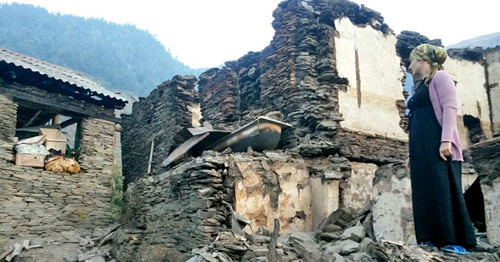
point(455, 249)
point(429, 244)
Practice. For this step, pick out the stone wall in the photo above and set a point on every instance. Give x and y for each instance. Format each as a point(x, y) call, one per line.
point(368, 59)
point(295, 77)
point(53, 207)
point(176, 210)
point(363, 147)
point(184, 207)
point(7, 127)
point(277, 185)
point(159, 116)
point(487, 166)
point(492, 64)
point(471, 90)
point(219, 96)
point(392, 207)
point(332, 71)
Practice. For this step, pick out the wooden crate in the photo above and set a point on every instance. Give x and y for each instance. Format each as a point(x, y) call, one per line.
point(54, 138)
point(30, 160)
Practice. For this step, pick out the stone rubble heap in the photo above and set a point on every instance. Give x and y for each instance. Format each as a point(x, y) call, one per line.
point(342, 237)
point(182, 212)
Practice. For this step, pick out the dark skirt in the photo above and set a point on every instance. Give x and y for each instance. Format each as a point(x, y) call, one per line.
point(439, 209)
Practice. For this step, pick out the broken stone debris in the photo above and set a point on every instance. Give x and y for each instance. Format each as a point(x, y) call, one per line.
point(353, 244)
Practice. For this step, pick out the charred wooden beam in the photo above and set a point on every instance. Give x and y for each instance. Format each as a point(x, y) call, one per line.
point(69, 122)
point(32, 118)
point(38, 99)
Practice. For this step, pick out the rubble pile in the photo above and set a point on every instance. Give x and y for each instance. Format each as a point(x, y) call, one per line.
point(338, 194)
point(343, 236)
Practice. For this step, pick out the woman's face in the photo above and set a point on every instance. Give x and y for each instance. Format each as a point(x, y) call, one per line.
point(417, 68)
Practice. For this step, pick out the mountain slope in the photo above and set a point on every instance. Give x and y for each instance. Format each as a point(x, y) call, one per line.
point(484, 41)
point(121, 57)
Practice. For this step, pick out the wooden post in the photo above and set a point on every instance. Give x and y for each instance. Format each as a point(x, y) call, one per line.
point(151, 154)
point(272, 254)
point(56, 120)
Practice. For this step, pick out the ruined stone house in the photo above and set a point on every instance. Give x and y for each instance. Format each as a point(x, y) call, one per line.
point(333, 71)
point(45, 206)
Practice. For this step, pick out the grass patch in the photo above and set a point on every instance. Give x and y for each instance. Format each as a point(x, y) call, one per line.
point(117, 192)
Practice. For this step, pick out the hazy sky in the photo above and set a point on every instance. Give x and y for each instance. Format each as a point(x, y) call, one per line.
point(206, 33)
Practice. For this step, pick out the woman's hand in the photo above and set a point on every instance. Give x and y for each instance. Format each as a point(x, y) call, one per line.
point(408, 163)
point(445, 150)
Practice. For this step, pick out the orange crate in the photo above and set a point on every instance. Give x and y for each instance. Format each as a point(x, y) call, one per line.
point(30, 160)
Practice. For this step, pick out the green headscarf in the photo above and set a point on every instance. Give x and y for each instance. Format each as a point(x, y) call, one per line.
point(435, 55)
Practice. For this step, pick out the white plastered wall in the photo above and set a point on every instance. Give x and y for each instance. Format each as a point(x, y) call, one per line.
point(471, 90)
point(380, 79)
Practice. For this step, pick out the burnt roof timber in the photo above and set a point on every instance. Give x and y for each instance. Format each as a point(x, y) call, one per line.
point(56, 103)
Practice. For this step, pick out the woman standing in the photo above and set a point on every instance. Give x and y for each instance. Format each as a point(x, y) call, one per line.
point(435, 155)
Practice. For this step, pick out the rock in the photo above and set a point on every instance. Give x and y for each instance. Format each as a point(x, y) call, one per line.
point(348, 247)
point(332, 248)
point(363, 247)
point(305, 244)
point(260, 239)
point(341, 218)
point(338, 258)
point(96, 259)
point(368, 225)
point(329, 236)
point(356, 233)
point(361, 257)
point(332, 228)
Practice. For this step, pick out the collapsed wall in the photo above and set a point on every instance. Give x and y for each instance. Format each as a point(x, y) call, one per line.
point(295, 77)
point(486, 155)
point(153, 124)
point(333, 71)
point(492, 67)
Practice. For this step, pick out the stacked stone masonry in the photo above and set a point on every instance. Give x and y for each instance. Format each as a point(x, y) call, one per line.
point(157, 117)
point(48, 206)
point(347, 145)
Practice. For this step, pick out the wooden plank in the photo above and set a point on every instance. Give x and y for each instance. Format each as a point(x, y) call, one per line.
point(150, 162)
point(272, 254)
point(6, 253)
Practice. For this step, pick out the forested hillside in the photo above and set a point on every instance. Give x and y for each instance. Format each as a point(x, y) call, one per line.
point(121, 57)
